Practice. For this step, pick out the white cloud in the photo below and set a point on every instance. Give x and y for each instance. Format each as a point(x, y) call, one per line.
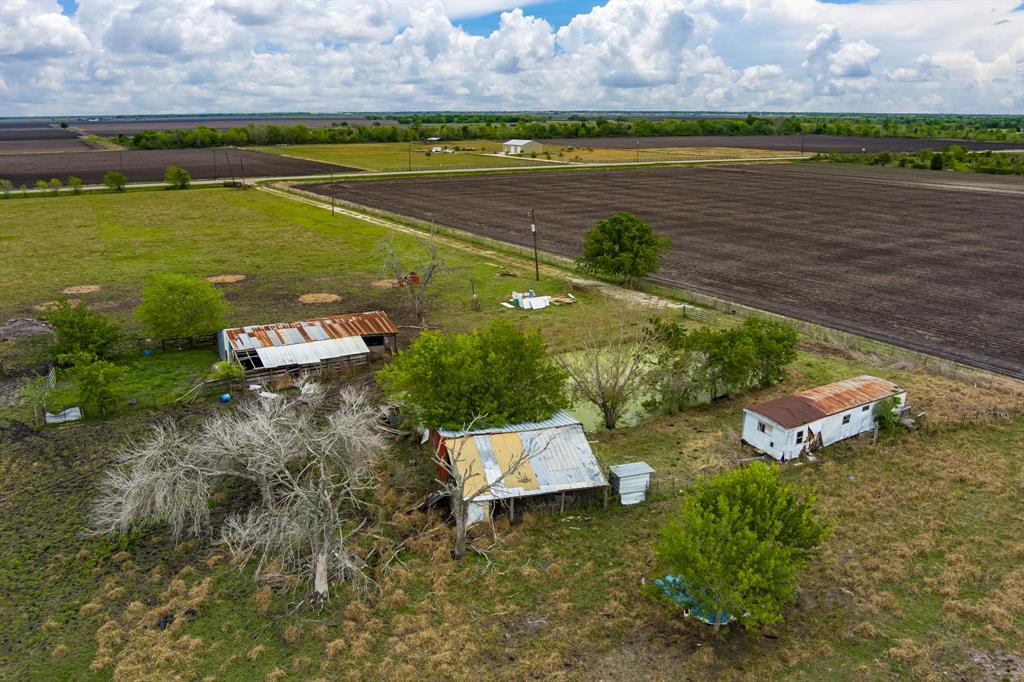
point(173, 56)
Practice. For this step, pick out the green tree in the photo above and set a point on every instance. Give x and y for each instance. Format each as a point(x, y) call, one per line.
point(80, 330)
point(622, 246)
point(55, 185)
point(34, 392)
point(937, 162)
point(5, 187)
point(739, 541)
point(887, 414)
point(726, 359)
point(673, 370)
point(495, 374)
point(774, 349)
point(115, 180)
point(42, 185)
point(75, 183)
point(179, 178)
point(176, 306)
point(98, 381)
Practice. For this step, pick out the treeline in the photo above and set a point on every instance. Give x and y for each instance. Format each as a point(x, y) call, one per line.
point(953, 157)
point(492, 127)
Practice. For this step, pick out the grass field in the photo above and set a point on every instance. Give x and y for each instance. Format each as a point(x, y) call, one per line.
point(920, 579)
point(400, 156)
point(586, 154)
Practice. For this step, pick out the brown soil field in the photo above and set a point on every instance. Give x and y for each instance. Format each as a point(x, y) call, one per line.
point(25, 137)
point(939, 269)
point(811, 143)
point(148, 165)
point(45, 146)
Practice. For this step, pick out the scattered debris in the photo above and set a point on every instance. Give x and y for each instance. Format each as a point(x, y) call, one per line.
point(21, 327)
point(225, 279)
point(319, 298)
point(529, 300)
point(82, 289)
point(507, 273)
point(72, 414)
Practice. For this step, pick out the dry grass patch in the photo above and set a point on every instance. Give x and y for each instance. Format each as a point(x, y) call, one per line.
point(319, 298)
point(225, 279)
point(82, 289)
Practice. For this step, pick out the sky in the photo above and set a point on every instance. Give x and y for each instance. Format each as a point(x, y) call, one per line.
point(207, 56)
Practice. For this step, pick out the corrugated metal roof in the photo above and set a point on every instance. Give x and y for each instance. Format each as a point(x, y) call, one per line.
point(560, 418)
point(842, 395)
point(823, 401)
point(372, 323)
point(560, 458)
point(518, 142)
point(312, 352)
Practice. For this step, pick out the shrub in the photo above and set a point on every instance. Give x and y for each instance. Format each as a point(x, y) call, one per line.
point(177, 306)
point(55, 185)
point(179, 178)
point(5, 187)
point(42, 185)
point(98, 381)
point(622, 246)
point(739, 541)
point(887, 414)
point(226, 369)
point(81, 331)
point(115, 180)
point(448, 380)
point(75, 183)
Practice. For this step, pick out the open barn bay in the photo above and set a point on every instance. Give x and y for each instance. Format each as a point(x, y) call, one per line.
point(908, 258)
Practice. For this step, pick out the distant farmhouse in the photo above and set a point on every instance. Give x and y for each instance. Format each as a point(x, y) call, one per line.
point(521, 147)
point(346, 339)
point(787, 427)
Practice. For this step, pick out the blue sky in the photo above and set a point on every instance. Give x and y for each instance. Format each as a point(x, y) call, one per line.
point(176, 56)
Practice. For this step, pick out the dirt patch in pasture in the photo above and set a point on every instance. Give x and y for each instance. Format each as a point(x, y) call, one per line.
point(47, 306)
point(82, 289)
point(383, 283)
point(225, 279)
point(319, 298)
point(21, 327)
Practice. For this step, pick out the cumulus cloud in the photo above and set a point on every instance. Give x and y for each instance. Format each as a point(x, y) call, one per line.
point(175, 56)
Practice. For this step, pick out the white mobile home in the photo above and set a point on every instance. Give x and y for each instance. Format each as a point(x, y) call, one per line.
point(522, 147)
point(787, 427)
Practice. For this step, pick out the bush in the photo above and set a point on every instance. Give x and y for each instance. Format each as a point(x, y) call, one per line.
point(175, 306)
point(622, 246)
point(179, 178)
point(75, 183)
point(448, 380)
point(81, 331)
point(5, 187)
point(739, 541)
point(55, 185)
point(226, 369)
point(98, 381)
point(887, 414)
point(42, 185)
point(115, 180)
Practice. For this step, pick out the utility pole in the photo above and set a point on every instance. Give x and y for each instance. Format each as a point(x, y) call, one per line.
point(638, 149)
point(332, 193)
point(214, 164)
point(536, 260)
point(120, 157)
point(241, 167)
point(410, 153)
point(801, 144)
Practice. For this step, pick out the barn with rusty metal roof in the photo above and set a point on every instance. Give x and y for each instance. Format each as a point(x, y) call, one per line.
point(307, 343)
point(787, 427)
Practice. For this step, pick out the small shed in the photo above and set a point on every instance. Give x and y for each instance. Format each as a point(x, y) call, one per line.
point(351, 337)
point(787, 427)
point(559, 460)
point(522, 147)
point(631, 481)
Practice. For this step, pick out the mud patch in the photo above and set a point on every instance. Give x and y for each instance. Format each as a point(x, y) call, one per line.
point(225, 279)
point(383, 283)
point(21, 327)
point(319, 298)
point(999, 665)
point(82, 289)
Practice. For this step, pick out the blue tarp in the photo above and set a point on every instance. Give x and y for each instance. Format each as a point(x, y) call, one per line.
point(678, 590)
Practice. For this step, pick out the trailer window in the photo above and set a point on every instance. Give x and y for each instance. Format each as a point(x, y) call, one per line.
point(763, 428)
point(846, 419)
point(799, 437)
point(865, 408)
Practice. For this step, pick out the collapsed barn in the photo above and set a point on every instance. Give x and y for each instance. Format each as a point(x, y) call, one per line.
point(336, 342)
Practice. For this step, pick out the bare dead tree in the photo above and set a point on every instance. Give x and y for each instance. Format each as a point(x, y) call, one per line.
point(608, 370)
point(312, 473)
point(465, 481)
point(415, 279)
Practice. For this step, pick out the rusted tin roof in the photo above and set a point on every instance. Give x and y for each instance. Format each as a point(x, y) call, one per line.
point(823, 401)
point(374, 323)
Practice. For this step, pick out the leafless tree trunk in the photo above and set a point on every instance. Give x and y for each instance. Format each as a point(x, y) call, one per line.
point(608, 370)
point(415, 281)
point(311, 471)
point(466, 482)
